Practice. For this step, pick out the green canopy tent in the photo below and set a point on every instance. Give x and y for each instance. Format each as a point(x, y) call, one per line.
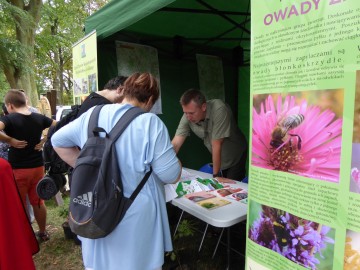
point(179, 30)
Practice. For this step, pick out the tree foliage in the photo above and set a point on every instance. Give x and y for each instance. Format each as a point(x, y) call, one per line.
point(61, 26)
point(4, 86)
point(19, 21)
point(36, 40)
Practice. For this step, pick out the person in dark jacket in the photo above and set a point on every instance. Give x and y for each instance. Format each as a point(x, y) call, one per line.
point(112, 93)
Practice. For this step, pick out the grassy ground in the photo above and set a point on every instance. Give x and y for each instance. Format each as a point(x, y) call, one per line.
point(57, 253)
point(60, 253)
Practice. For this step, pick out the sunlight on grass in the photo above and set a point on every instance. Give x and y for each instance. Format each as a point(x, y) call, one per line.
point(62, 254)
point(57, 253)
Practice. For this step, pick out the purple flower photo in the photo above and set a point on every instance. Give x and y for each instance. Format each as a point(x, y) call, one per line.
point(302, 241)
point(290, 135)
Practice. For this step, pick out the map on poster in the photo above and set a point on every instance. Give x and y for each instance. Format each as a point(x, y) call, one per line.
point(211, 76)
point(132, 57)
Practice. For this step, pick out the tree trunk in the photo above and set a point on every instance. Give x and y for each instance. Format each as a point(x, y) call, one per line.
point(61, 72)
point(18, 77)
point(57, 75)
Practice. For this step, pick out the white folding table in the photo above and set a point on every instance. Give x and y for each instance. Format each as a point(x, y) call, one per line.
point(222, 217)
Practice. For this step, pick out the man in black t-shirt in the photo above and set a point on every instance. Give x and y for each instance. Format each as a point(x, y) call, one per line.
point(112, 93)
point(23, 130)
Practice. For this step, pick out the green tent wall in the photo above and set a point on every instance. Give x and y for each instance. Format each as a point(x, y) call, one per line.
point(180, 30)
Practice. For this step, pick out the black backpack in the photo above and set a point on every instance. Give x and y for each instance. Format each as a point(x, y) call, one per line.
point(97, 202)
point(53, 163)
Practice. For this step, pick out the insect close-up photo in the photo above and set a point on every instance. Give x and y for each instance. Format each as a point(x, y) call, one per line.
point(299, 133)
point(305, 242)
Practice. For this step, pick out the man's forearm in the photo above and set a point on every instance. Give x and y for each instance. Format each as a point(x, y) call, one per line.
point(216, 155)
point(216, 160)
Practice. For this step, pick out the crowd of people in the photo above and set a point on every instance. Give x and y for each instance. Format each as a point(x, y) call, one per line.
point(144, 144)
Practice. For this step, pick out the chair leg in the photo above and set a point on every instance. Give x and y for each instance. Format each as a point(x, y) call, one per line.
point(218, 242)
point(228, 248)
point(177, 225)
point(202, 240)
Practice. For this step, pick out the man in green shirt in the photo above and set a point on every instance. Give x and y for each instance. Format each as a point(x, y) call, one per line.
point(213, 122)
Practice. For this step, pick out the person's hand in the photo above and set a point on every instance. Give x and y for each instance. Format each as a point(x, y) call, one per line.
point(40, 145)
point(17, 144)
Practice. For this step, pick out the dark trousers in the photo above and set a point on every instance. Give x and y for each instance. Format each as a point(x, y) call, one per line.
point(238, 171)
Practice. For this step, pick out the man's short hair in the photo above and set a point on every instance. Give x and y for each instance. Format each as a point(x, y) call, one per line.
point(192, 95)
point(115, 83)
point(16, 98)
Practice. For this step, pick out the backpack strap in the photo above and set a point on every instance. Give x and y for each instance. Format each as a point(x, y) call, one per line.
point(94, 121)
point(115, 133)
point(140, 186)
point(124, 121)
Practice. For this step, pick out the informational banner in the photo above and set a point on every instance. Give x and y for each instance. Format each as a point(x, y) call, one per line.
point(211, 76)
point(85, 75)
point(132, 57)
point(304, 177)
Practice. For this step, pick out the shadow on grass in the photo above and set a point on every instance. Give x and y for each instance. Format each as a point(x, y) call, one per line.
point(62, 254)
point(57, 253)
point(187, 251)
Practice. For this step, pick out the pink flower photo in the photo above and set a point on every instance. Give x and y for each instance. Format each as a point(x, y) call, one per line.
point(291, 135)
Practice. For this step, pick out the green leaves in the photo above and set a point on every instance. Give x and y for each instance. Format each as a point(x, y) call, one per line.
point(40, 51)
point(186, 228)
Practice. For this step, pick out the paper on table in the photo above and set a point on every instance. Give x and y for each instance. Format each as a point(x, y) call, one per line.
point(170, 189)
point(200, 196)
point(170, 192)
point(238, 196)
point(213, 203)
point(187, 187)
point(185, 175)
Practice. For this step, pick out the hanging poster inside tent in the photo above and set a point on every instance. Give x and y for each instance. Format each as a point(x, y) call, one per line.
point(211, 76)
point(85, 74)
point(132, 57)
point(304, 177)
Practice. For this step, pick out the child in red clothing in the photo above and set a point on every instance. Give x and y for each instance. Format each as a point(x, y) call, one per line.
point(17, 240)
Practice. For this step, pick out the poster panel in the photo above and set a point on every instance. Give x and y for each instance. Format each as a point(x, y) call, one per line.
point(132, 57)
point(211, 76)
point(85, 74)
point(304, 177)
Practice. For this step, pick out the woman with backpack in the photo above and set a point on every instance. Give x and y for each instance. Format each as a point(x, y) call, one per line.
point(142, 237)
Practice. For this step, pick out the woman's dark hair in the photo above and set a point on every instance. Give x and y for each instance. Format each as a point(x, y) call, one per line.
point(141, 86)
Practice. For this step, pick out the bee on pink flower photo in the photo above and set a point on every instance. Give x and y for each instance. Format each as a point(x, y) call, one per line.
point(291, 135)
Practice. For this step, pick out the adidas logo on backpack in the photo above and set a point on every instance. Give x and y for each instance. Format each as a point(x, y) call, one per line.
point(97, 202)
point(85, 199)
